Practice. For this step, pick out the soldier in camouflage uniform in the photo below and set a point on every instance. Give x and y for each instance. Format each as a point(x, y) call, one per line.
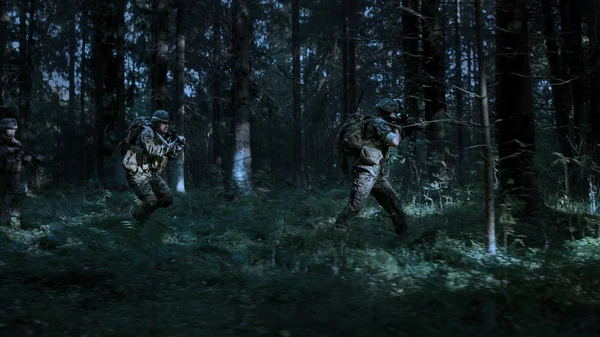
point(11, 158)
point(144, 162)
point(367, 171)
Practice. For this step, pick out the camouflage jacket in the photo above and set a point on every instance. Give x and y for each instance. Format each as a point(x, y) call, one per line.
point(377, 135)
point(10, 162)
point(149, 154)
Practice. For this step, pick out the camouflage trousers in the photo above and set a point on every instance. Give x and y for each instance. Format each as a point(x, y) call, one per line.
point(11, 183)
point(152, 190)
point(371, 181)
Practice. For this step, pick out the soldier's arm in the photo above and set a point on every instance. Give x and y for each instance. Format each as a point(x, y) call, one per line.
point(6, 150)
point(386, 135)
point(148, 145)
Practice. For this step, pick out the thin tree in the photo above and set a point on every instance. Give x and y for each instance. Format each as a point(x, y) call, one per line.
point(179, 165)
point(120, 122)
point(458, 82)
point(487, 149)
point(160, 54)
point(25, 64)
point(2, 47)
point(296, 93)
point(217, 85)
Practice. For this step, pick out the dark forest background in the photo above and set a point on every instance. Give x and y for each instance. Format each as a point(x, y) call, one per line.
point(260, 88)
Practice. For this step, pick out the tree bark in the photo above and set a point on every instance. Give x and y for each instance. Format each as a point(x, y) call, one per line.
point(2, 47)
point(161, 54)
point(296, 93)
point(120, 177)
point(410, 47)
point(242, 156)
point(352, 29)
point(101, 57)
point(487, 150)
point(82, 89)
point(217, 87)
point(571, 32)
point(25, 40)
point(435, 99)
point(516, 137)
point(557, 77)
point(344, 160)
point(178, 171)
point(458, 82)
point(594, 98)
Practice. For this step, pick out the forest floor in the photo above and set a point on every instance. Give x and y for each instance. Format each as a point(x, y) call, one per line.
point(272, 266)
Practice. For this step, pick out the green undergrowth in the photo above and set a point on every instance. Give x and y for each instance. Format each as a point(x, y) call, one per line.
point(273, 266)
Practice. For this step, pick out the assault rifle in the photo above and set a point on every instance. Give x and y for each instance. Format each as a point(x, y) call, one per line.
point(172, 137)
point(407, 125)
point(35, 158)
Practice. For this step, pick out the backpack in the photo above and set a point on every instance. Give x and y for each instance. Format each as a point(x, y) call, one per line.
point(133, 130)
point(350, 136)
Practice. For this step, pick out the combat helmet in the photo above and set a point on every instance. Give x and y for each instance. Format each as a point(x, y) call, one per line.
point(389, 105)
point(8, 123)
point(160, 116)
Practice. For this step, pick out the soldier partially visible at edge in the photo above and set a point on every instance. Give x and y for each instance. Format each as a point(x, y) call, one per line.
point(11, 158)
point(367, 171)
point(144, 159)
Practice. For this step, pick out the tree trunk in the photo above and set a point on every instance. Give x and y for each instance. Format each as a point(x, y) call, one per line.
point(82, 89)
point(217, 85)
point(344, 160)
point(25, 39)
point(434, 67)
point(161, 54)
point(101, 56)
point(2, 47)
point(487, 150)
point(594, 64)
point(296, 93)
point(120, 178)
point(410, 47)
point(570, 13)
point(178, 171)
point(242, 156)
point(352, 35)
point(559, 90)
point(460, 114)
point(516, 137)
point(72, 85)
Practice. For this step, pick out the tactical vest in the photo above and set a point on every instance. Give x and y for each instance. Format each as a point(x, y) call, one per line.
point(136, 160)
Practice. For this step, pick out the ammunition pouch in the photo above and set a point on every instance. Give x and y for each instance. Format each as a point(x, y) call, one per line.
point(10, 165)
point(135, 161)
point(370, 155)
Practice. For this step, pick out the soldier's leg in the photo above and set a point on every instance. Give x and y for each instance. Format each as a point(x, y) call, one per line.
point(3, 189)
point(17, 189)
point(362, 183)
point(162, 191)
point(140, 183)
point(385, 195)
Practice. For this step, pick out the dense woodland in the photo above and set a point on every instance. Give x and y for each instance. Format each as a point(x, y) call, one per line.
point(508, 91)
